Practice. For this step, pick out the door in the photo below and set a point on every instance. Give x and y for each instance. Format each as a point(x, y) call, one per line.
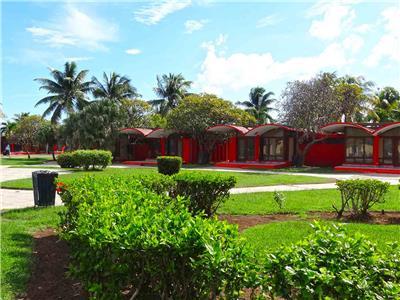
point(245, 149)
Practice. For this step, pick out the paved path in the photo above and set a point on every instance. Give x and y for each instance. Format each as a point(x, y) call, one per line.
point(283, 188)
point(19, 199)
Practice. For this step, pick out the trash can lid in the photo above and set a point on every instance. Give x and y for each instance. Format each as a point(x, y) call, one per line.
point(45, 172)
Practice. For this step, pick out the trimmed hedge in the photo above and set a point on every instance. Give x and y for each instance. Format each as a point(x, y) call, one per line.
point(359, 195)
point(66, 160)
point(123, 236)
point(332, 264)
point(206, 192)
point(169, 165)
point(97, 159)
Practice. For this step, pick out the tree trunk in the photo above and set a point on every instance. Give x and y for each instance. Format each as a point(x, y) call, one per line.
point(301, 153)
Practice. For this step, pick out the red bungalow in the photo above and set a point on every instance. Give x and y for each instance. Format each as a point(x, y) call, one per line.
point(369, 147)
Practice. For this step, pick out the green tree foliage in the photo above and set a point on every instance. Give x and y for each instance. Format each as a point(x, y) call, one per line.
point(98, 124)
point(114, 88)
point(259, 105)
point(386, 106)
point(67, 91)
point(196, 113)
point(26, 132)
point(171, 89)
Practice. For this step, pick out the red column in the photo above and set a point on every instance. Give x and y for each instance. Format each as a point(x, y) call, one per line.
point(12, 147)
point(376, 150)
point(186, 150)
point(162, 146)
point(232, 149)
point(257, 148)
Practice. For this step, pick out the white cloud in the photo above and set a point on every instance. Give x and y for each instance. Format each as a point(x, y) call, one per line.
point(75, 28)
point(353, 43)
point(158, 10)
point(133, 51)
point(336, 17)
point(388, 45)
point(363, 28)
point(241, 70)
point(194, 25)
point(78, 58)
point(268, 21)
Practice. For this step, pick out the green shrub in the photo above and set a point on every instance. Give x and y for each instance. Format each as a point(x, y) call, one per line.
point(206, 192)
point(66, 160)
point(359, 195)
point(169, 165)
point(97, 159)
point(279, 199)
point(123, 236)
point(331, 264)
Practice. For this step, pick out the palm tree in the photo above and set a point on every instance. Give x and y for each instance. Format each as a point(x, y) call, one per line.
point(258, 104)
point(20, 116)
point(67, 91)
point(114, 88)
point(171, 89)
point(7, 128)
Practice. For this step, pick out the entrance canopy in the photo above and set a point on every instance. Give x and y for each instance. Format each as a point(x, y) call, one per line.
point(387, 127)
point(261, 129)
point(137, 131)
point(228, 129)
point(340, 127)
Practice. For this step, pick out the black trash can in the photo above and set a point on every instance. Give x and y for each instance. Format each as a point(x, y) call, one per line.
point(44, 187)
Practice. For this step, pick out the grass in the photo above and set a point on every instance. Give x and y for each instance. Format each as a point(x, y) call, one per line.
point(243, 179)
point(24, 161)
point(16, 245)
point(276, 234)
point(297, 202)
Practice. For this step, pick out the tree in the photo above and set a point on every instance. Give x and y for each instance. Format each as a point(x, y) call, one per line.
point(308, 105)
point(258, 105)
point(354, 95)
point(135, 113)
point(114, 88)
point(195, 113)
point(171, 89)
point(386, 106)
point(26, 132)
point(46, 135)
point(20, 116)
point(7, 128)
point(67, 92)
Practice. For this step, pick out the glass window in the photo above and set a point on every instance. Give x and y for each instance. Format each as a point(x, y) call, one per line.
point(359, 150)
point(387, 151)
point(273, 148)
point(241, 149)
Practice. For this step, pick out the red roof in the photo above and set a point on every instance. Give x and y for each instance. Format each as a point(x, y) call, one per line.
point(261, 129)
point(228, 128)
point(340, 126)
point(139, 131)
point(386, 127)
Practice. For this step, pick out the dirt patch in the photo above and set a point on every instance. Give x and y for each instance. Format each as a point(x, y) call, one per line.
point(246, 221)
point(49, 280)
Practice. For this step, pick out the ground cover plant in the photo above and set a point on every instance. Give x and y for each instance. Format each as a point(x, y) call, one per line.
point(148, 242)
point(332, 264)
point(16, 245)
point(244, 179)
point(298, 202)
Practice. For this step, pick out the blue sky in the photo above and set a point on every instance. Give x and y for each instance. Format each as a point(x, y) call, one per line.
point(223, 47)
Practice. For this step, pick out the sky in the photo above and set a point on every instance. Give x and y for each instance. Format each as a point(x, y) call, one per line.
point(225, 48)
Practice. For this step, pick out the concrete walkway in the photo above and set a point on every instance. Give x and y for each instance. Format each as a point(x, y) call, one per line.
point(283, 188)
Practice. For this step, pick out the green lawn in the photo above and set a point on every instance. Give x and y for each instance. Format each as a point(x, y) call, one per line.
point(273, 235)
point(16, 245)
point(297, 202)
point(244, 179)
point(24, 161)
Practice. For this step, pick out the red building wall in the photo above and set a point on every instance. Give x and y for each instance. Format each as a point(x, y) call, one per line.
point(328, 153)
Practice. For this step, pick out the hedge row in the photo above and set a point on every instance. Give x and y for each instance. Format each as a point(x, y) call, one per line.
point(137, 236)
point(97, 159)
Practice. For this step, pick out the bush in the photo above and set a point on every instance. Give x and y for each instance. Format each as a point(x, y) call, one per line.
point(206, 192)
point(123, 236)
point(331, 264)
point(279, 199)
point(169, 165)
point(66, 160)
point(359, 195)
point(97, 159)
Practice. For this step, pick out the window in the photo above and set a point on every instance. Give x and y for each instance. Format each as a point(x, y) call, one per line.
point(245, 149)
point(272, 148)
point(359, 149)
point(387, 151)
point(174, 146)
